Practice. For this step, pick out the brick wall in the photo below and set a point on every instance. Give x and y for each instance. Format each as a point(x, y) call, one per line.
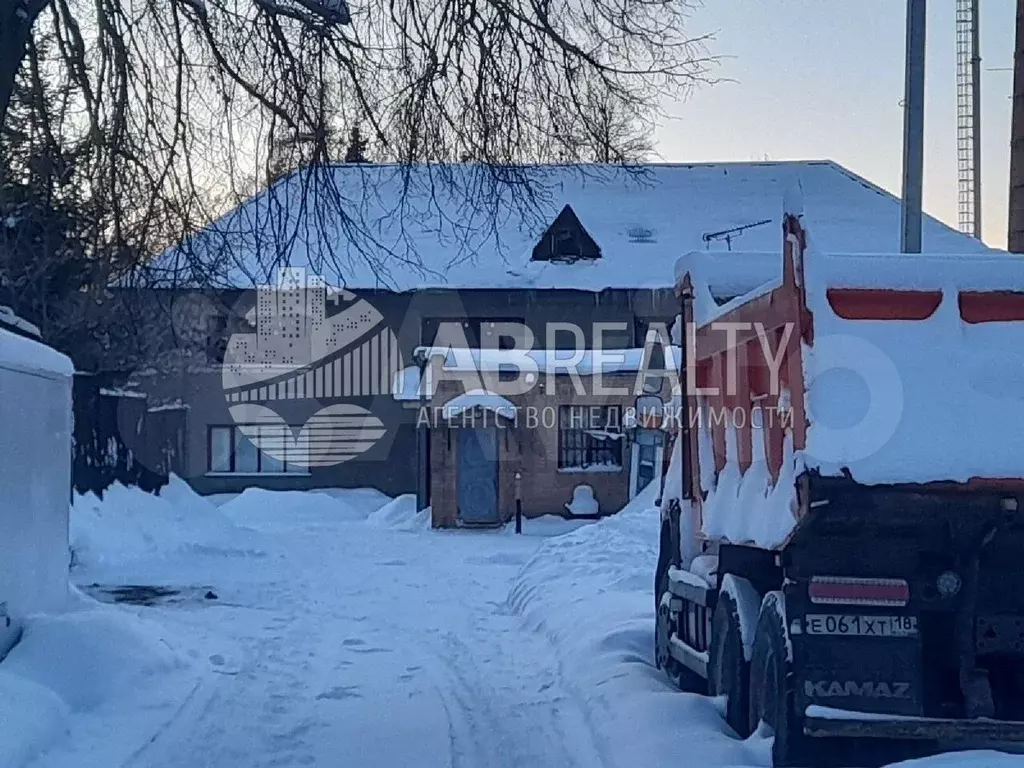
point(531, 449)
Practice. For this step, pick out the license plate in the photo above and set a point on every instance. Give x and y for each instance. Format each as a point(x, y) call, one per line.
point(861, 626)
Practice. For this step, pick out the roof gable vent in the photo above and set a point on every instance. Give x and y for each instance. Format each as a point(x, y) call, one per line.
point(566, 240)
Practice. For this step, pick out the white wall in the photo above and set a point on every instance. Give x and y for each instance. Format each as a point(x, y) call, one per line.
point(35, 476)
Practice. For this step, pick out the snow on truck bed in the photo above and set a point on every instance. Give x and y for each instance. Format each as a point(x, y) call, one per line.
point(915, 401)
point(896, 401)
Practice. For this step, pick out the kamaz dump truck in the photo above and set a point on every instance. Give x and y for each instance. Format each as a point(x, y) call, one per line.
point(842, 539)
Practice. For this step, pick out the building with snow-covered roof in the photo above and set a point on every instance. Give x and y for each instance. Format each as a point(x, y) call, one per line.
point(441, 247)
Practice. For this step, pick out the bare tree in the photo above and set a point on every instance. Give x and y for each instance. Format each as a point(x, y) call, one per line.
point(171, 107)
point(613, 135)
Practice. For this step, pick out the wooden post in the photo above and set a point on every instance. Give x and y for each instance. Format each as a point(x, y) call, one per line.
point(1015, 240)
point(519, 501)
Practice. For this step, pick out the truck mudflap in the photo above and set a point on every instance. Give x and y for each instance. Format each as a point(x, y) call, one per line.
point(824, 722)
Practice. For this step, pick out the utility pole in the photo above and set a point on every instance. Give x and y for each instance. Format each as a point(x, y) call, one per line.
point(913, 129)
point(1015, 236)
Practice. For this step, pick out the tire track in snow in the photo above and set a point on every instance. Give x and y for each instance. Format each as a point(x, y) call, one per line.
point(315, 647)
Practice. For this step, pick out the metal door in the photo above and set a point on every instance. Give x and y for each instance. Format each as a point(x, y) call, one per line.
point(478, 476)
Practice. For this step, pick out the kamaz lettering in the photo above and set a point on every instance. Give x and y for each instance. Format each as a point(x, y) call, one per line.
point(824, 689)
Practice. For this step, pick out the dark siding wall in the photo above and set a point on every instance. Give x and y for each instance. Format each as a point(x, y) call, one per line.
point(391, 465)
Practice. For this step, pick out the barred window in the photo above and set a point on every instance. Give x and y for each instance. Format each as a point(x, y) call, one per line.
point(590, 436)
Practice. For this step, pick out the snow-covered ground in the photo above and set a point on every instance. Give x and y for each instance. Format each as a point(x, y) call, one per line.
point(336, 629)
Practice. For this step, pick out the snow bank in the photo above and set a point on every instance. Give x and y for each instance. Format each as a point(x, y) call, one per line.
point(32, 717)
point(128, 524)
point(79, 674)
point(400, 514)
point(980, 759)
point(258, 507)
point(545, 526)
point(91, 656)
point(591, 593)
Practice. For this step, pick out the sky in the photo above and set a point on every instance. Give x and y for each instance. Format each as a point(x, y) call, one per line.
point(823, 79)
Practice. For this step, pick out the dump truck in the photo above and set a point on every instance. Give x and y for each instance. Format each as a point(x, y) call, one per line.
point(842, 540)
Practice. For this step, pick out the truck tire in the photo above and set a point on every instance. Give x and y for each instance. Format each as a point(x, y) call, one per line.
point(771, 700)
point(728, 671)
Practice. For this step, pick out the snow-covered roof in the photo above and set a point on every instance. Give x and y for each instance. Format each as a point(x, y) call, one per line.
point(584, 362)
point(479, 398)
point(455, 226)
point(22, 354)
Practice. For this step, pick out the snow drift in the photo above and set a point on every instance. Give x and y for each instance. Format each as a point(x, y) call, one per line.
point(86, 671)
point(128, 525)
point(400, 514)
point(591, 593)
point(259, 507)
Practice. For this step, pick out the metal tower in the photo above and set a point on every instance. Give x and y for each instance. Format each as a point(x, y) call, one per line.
point(968, 117)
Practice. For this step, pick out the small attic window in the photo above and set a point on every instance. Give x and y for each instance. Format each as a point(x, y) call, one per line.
point(566, 240)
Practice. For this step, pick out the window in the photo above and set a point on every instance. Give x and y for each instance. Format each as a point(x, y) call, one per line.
point(230, 451)
point(566, 240)
point(647, 464)
point(663, 336)
point(590, 436)
point(614, 335)
point(565, 244)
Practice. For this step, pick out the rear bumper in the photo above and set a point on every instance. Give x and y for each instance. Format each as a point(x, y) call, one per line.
point(930, 729)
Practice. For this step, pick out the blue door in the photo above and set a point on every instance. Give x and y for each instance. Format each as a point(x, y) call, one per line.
point(478, 476)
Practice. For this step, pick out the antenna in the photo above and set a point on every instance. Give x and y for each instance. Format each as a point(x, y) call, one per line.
point(730, 234)
point(968, 118)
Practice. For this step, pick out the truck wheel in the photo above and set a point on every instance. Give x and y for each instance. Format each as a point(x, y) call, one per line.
point(680, 675)
point(727, 667)
point(662, 659)
point(771, 702)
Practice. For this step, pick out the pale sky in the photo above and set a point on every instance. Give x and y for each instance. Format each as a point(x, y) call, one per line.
point(824, 79)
